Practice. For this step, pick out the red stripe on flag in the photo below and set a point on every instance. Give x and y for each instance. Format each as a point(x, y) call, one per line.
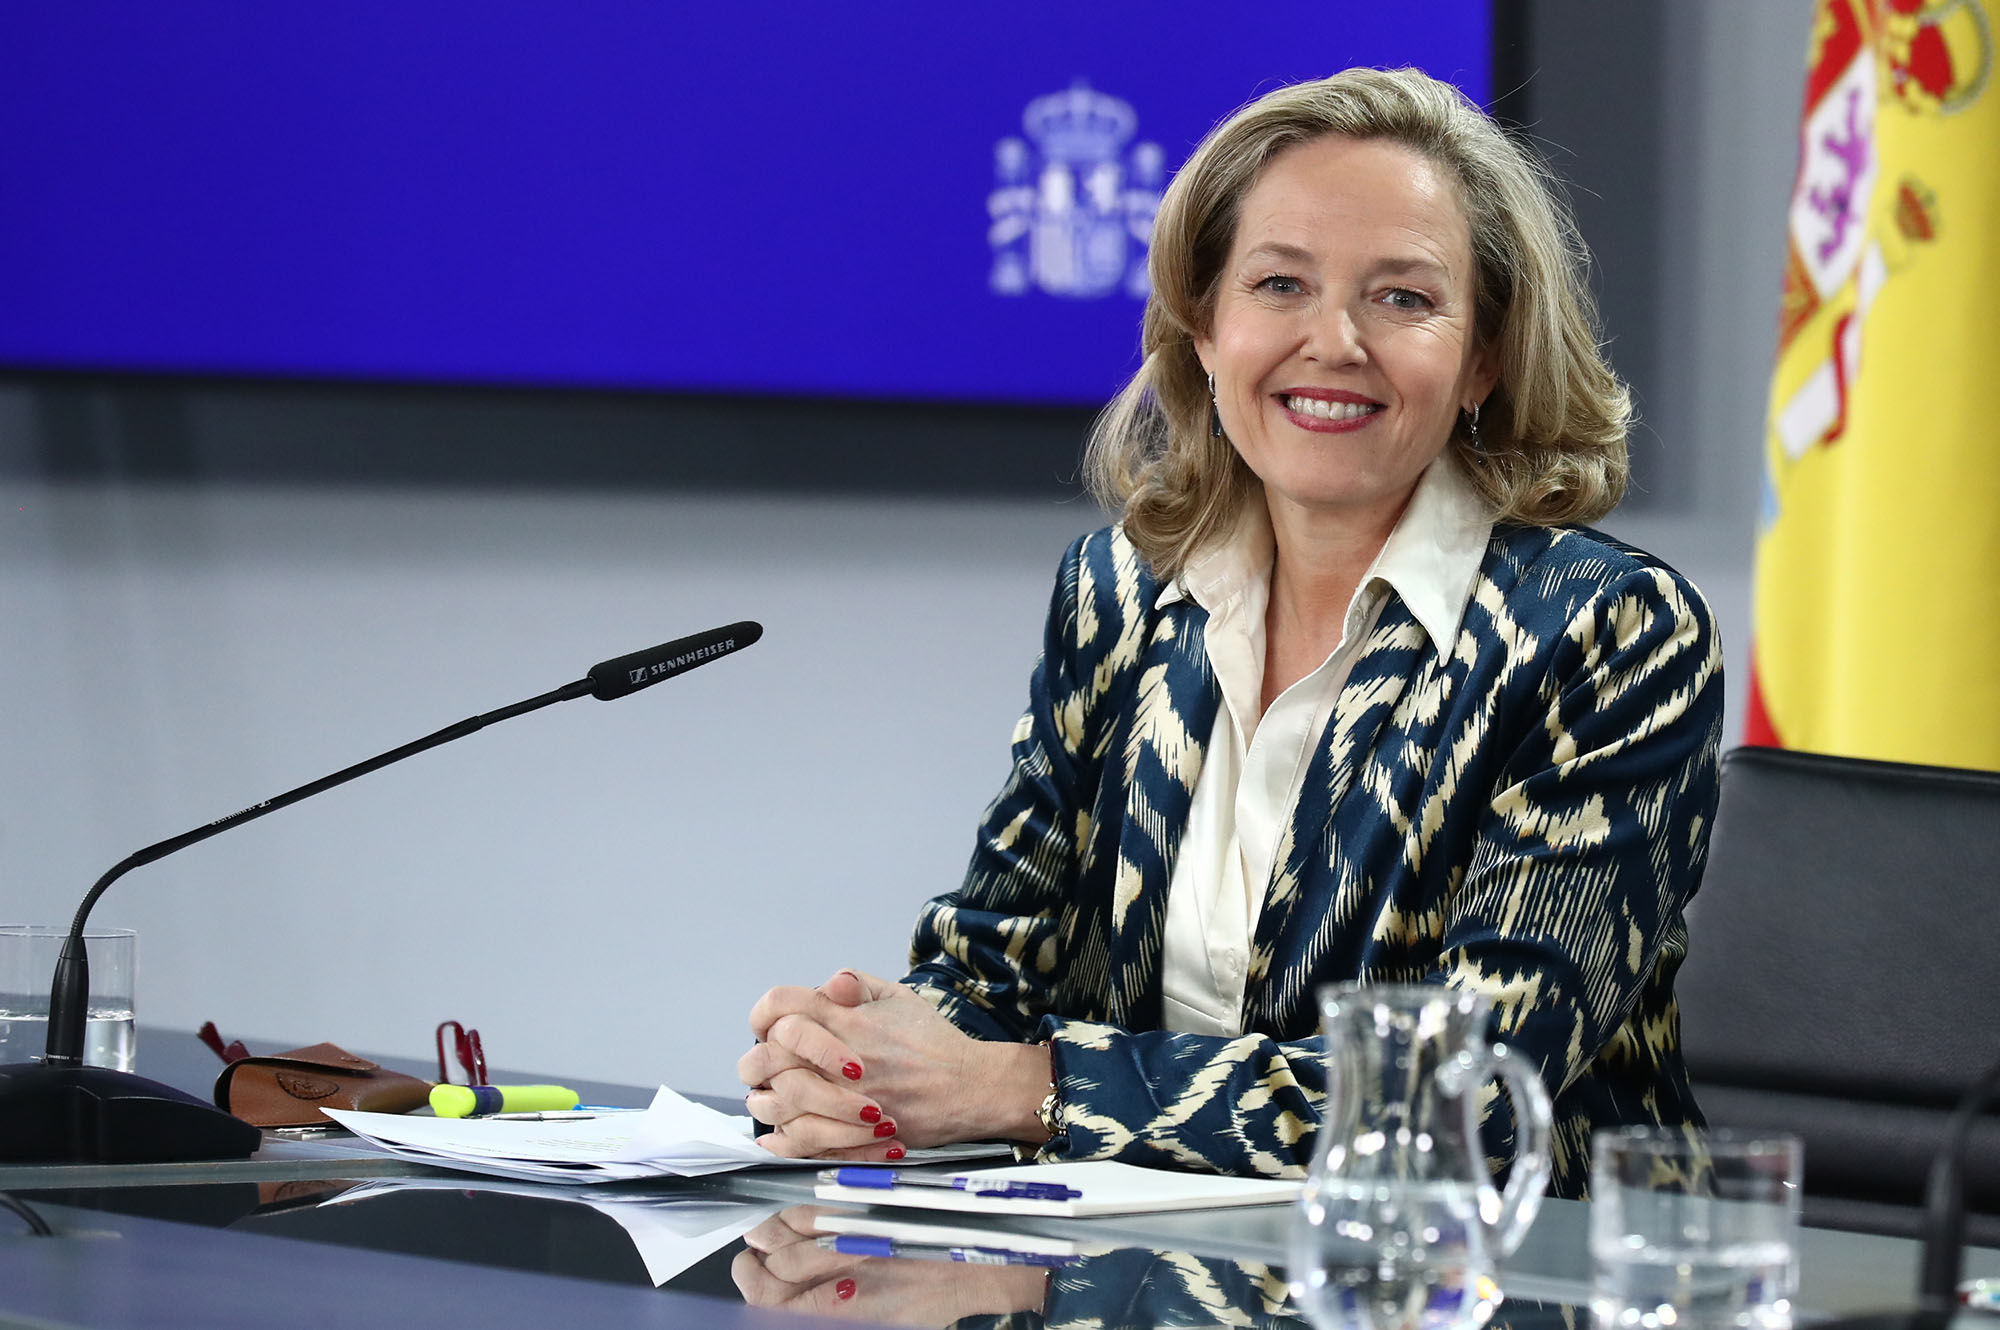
point(1839, 426)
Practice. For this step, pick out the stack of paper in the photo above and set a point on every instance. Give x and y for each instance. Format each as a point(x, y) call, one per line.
point(672, 1136)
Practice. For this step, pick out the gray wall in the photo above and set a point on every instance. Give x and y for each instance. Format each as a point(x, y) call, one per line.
point(604, 889)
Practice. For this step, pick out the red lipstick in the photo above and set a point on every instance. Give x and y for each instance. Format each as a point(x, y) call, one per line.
point(1337, 396)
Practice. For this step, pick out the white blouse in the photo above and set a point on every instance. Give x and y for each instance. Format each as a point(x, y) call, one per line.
point(1254, 767)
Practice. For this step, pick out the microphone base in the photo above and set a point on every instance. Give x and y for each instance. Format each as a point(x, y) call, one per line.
point(93, 1115)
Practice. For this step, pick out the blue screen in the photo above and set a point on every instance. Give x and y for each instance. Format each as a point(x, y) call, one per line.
point(890, 200)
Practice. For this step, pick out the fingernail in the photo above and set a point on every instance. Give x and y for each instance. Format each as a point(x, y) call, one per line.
point(852, 1071)
point(871, 1114)
point(885, 1129)
point(895, 1152)
point(844, 1289)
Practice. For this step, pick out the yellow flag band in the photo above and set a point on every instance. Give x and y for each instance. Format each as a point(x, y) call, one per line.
point(1878, 557)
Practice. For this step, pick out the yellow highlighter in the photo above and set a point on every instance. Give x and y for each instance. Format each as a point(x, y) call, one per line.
point(466, 1101)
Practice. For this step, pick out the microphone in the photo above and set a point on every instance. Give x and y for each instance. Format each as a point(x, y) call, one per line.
point(60, 1111)
point(1944, 1198)
point(642, 669)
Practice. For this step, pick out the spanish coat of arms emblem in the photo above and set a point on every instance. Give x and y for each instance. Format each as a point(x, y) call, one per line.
point(1071, 212)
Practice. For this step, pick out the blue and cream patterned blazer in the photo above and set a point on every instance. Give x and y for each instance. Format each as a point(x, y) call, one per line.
point(1526, 817)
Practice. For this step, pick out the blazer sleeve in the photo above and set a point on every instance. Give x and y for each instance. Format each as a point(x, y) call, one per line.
point(1569, 914)
point(1592, 838)
point(986, 954)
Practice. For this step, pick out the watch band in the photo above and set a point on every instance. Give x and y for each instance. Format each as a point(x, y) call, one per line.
point(1050, 1113)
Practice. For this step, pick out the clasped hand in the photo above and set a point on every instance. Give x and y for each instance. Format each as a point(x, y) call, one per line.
point(862, 1068)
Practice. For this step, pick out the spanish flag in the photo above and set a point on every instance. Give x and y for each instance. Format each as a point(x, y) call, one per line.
point(1877, 600)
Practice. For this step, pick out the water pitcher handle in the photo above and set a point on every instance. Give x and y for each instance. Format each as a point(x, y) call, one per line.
point(1532, 1116)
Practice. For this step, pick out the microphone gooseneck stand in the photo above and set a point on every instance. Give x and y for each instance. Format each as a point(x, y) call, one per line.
point(1943, 1254)
point(60, 1111)
point(36, 1224)
point(1944, 1199)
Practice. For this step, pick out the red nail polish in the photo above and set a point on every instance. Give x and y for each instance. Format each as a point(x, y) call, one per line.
point(852, 1071)
point(871, 1114)
point(844, 1289)
point(895, 1152)
point(885, 1129)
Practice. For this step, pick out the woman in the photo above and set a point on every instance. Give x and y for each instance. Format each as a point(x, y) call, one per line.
point(1349, 694)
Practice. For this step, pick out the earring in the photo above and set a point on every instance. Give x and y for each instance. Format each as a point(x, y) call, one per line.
point(1214, 413)
point(1472, 426)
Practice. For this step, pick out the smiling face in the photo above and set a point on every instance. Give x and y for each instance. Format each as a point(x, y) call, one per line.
point(1343, 343)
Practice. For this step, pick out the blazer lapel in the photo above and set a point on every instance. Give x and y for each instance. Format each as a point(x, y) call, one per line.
point(1172, 713)
point(1314, 894)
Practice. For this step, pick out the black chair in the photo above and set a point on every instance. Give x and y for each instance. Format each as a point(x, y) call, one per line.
point(1843, 974)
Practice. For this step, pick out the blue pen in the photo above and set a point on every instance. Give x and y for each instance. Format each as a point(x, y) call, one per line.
point(857, 1244)
point(884, 1179)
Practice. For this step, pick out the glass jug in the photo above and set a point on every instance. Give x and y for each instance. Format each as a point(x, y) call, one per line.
point(1399, 1223)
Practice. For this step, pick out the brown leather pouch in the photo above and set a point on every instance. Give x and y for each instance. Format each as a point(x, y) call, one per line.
point(290, 1089)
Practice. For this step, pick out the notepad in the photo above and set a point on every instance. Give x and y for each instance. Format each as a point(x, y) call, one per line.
point(1108, 1189)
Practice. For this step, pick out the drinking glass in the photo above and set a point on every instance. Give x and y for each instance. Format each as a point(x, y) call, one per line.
point(28, 954)
point(1693, 1230)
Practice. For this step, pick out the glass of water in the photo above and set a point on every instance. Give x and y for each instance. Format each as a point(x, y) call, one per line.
point(1693, 1230)
point(28, 954)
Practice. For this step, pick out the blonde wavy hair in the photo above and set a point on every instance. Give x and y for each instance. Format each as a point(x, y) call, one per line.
point(1552, 449)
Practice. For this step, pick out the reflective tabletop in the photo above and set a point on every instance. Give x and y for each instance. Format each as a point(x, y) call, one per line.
point(344, 1236)
point(732, 1249)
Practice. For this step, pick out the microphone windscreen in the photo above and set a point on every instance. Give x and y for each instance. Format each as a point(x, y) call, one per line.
point(642, 669)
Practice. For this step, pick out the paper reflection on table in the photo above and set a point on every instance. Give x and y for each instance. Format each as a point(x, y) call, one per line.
point(670, 1233)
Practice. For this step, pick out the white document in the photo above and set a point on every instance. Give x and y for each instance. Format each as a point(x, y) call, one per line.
point(672, 1137)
